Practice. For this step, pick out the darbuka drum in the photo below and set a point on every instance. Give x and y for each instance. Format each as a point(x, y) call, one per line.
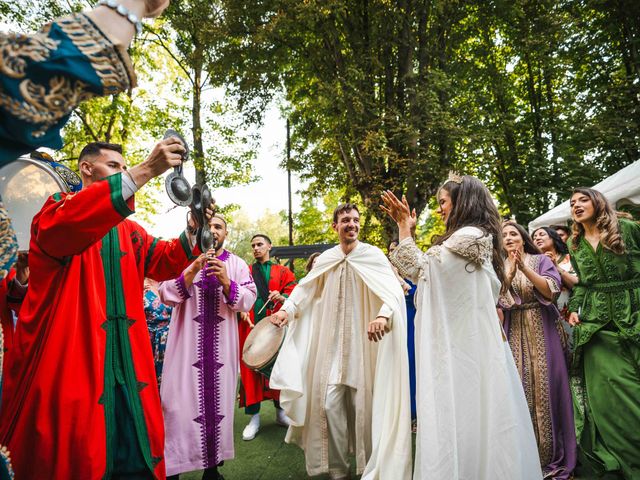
point(25, 184)
point(262, 346)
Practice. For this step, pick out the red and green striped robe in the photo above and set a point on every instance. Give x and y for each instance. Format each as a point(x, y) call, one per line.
point(254, 387)
point(80, 398)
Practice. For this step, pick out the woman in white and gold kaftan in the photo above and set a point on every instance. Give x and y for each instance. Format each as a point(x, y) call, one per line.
point(473, 421)
point(326, 344)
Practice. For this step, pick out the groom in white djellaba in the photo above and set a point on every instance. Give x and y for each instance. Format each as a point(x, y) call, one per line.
point(343, 371)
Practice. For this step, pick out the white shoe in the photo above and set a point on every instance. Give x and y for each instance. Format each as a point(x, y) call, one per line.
point(281, 418)
point(252, 428)
point(339, 475)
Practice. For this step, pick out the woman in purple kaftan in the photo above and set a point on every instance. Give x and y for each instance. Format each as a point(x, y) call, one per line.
point(539, 346)
point(201, 363)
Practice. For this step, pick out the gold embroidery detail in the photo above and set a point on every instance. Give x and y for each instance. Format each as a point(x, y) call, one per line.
point(477, 249)
point(101, 53)
point(16, 50)
point(45, 107)
point(527, 341)
point(410, 261)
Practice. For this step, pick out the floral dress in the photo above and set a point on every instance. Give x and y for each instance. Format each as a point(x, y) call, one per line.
point(158, 316)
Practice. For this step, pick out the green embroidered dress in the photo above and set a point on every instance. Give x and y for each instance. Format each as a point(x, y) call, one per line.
point(606, 369)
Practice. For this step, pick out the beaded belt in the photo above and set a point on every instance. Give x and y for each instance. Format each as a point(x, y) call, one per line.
point(525, 306)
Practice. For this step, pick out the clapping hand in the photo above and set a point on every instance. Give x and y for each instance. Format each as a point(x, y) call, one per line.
point(398, 210)
point(512, 268)
point(574, 319)
point(517, 260)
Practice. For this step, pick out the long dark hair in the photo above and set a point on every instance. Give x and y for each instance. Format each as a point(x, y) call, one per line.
point(606, 222)
point(527, 243)
point(472, 206)
point(559, 246)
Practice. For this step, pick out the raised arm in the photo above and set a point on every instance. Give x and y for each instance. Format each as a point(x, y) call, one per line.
point(547, 281)
point(242, 292)
point(165, 259)
point(47, 74)
point(174, 292)
point(68, 225)
point(408, 259)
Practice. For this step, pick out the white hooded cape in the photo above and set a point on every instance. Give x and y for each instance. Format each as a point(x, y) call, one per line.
point(390, 422)
point(473, 420)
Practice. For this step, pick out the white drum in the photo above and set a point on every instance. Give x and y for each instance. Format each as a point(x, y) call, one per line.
point(25, 185)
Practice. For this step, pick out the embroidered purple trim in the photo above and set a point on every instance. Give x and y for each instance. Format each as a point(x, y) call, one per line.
point(234, 293)
point(209, 366)
point(182, 287)
point(224, 256)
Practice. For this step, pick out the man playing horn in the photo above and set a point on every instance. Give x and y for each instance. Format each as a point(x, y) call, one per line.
point(200, 372)
point(343, 367)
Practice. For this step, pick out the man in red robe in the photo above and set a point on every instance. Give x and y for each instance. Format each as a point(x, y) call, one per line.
point(13, 288)
point(274, 283)
point(80, 398)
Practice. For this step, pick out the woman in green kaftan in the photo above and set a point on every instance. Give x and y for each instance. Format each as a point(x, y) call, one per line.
point(605, 310)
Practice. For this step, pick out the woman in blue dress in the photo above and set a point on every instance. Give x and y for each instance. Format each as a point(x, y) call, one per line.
point(158, 316)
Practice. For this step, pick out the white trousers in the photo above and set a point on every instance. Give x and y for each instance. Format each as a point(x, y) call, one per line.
point(339, 406)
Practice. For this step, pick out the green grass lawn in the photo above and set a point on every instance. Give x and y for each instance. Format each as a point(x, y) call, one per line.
point(267, 457)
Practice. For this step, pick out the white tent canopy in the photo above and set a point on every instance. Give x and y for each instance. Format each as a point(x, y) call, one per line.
point(621, 188)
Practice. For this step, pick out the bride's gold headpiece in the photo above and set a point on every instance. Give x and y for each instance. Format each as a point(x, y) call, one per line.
point(454, 177)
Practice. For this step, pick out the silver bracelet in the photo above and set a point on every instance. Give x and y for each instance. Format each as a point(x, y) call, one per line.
point(124, 12)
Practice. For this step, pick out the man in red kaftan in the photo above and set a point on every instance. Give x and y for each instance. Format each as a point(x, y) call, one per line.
point(80, 399)
point(274, 283)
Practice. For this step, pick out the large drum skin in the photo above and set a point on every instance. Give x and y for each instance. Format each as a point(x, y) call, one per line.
point(26, 184)
point(262, 346)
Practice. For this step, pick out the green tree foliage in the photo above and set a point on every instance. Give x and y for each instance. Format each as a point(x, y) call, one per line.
point(242, 228)
point(369, 99)
point(190, 32)
point(533, 96)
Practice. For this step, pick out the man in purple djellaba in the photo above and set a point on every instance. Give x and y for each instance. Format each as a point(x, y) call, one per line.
point(200, 372)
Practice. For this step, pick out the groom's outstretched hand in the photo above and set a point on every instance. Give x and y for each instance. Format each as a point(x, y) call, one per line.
point(377, 329)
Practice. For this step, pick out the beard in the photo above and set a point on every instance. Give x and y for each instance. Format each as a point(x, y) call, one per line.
point(218, 244)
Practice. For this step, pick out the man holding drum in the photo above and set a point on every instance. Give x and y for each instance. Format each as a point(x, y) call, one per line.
point(80, 397)
point(343, 369)
point(200, 372)
point(274, 283)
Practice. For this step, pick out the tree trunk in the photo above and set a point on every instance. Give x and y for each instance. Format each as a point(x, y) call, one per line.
point(196, 120)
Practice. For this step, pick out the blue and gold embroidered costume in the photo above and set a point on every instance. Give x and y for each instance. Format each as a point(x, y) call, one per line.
point(44, 76)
